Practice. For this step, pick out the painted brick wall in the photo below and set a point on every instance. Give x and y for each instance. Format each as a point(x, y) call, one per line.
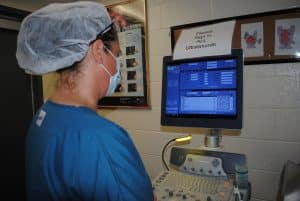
point(271, 133)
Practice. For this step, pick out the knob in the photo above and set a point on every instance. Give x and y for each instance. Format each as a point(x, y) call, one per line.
point(184, 196)
point(208, 198)
point(215, 162)
point(170, 193)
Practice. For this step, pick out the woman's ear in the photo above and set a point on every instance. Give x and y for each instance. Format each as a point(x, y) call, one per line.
point(97, 50)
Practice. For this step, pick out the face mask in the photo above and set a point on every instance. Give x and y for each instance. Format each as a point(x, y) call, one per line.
point(114, 79)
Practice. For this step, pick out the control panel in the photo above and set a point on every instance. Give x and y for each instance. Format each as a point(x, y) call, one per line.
point(198, 175)
point(205, 162)
point(177, 186)
point(203, 165)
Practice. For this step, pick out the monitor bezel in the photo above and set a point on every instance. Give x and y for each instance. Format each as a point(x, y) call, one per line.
point(206, 121)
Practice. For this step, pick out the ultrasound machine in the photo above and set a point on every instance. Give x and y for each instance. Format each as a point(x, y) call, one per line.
point(204, 92)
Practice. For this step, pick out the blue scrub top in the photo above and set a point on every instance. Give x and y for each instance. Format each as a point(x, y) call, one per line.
point(73, 154)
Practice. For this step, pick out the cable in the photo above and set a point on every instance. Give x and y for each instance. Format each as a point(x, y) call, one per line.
point(163, 153)
point(237, 193)
point(178, 140)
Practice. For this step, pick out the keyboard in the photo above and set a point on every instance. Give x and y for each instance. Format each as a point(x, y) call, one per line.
point(178, 186)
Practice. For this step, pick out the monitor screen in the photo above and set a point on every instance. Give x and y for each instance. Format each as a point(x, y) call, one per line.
point(203, 92)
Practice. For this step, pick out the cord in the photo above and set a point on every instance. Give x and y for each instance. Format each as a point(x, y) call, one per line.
point(163, 153)
point(237, 193)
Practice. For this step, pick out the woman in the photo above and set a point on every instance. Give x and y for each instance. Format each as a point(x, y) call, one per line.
point(72, 153)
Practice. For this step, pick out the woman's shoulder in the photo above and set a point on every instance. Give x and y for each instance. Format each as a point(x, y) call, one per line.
point(76, 118)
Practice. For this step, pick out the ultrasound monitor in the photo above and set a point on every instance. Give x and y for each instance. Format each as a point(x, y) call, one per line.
point(203, 92)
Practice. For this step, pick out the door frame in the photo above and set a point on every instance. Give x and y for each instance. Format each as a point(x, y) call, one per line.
point(13, 15)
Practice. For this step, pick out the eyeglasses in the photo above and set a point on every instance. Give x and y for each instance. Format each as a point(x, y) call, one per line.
point(108, 28)
point(103, 32)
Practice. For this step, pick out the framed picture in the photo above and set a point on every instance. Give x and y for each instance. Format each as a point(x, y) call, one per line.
point(132, 92)
point(269, 37)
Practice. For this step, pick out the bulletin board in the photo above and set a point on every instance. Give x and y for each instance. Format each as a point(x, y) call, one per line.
point(133, 90)
point(269, 37)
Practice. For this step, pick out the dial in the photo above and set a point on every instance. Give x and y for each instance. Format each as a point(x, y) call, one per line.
point(215, 162)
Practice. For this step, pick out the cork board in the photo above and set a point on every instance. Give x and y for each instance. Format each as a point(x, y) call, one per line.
point(269, 37)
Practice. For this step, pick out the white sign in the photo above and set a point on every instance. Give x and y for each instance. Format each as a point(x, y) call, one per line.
point(287, 36)
point(205, 41)
point(131, 83)
point(252, 39)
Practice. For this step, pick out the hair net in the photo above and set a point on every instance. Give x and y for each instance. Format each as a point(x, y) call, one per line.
point(58, 35)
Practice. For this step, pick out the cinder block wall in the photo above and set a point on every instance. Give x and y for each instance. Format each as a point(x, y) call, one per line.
point(271, 133)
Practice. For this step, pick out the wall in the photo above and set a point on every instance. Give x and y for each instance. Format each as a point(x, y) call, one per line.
point(271, 97)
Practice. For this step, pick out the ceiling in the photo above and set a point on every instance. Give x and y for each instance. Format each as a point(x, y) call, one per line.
point(31, 5)
point(132, 9)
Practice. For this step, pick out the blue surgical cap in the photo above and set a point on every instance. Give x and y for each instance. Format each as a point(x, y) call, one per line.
point(58, 35)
